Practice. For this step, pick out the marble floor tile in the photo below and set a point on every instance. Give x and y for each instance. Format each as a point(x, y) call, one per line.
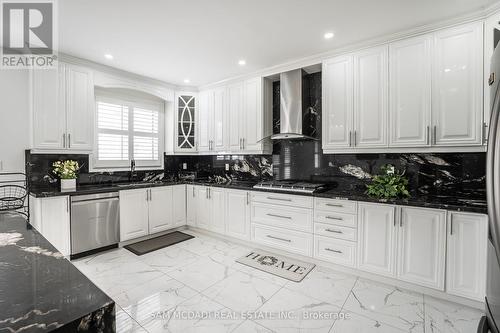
point(446, 317)
point(354, 323)
point(290, 311)
point(201, 246)
point(260, 274)
point(326, 285)
point(104, 261)
point(169, 258)
point(202, 273)
point(125, 323)
point(249, 326)
point(198, 314)
point(388, 304)
point(242, 292)
point(161, 293)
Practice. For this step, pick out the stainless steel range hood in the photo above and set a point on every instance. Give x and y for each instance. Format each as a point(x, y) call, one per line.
point(294, 99)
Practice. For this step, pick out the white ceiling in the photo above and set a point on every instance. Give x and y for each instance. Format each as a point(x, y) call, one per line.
point(203, 39)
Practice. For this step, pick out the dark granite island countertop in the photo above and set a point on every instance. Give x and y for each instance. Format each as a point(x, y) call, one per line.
point(41, 291)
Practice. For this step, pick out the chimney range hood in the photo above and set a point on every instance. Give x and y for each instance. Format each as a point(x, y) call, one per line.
point(294, 101)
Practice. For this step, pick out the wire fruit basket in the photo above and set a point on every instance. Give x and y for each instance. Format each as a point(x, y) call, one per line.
point(13, 193)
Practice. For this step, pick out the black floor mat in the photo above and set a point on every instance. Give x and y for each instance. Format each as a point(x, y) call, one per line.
point(157, 243)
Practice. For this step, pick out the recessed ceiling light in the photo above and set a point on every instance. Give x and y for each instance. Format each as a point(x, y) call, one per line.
point(187, 80)
point(242, 62)
point(108, 56)
point(329, 35)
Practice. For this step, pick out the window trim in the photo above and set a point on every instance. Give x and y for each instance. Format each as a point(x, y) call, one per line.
point(130, 102)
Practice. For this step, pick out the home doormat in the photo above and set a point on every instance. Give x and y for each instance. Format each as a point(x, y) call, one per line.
point(282, 266)
point(157, 243)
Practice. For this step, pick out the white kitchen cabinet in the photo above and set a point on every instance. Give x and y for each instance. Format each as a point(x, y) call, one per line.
point(185, 122)
point(202, 207)
point(62, 103)
point(219, 128)
point(238, 214)
point(410, 92)
point(338, 99)
point(466, 261)
point(377, 236)
point(160, 209)
point(216, 196)
point(205, 120)
point(253, 115)
point(191, 205)
point(235, 109)
point(134, 214)
point(457, 94)
point(371, 97)
point(422, 246)
point(179, 205)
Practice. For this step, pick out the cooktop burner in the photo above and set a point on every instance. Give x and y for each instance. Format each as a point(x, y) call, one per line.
point(290, 186)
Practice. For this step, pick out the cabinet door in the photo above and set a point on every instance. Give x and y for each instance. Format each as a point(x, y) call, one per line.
point(252, 125)
point(79, 108)
point(457, 86)
point(238, 214)
point(217, 209)
point(410, 92)
point(422, 245)
point(179, 205)
point(466, 261)
point(205, 121)
point(186, 122)
point(133, 214)
point(160, 209)
point(235, 112)
point(203, 212)
point(219, 136)
point(55, 222)
point(49, 114)
point(371, 97)
point(191, 206)
point(377, 238)
point(338, 98)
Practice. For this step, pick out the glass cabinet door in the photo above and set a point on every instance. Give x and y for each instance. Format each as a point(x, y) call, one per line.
point(185, 138)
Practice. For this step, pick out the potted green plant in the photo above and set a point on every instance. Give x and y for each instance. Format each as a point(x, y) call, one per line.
point(67, 171)
point(389, 184)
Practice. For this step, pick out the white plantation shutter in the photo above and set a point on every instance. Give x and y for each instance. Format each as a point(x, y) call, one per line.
point(127, 131)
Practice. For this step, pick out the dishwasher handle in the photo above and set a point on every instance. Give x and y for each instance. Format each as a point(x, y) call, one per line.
point(85, 201)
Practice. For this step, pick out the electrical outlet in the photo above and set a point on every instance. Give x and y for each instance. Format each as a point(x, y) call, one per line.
point(184, 166)
point(227, 166)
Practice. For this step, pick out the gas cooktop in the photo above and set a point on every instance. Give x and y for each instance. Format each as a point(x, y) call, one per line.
point(290, 186)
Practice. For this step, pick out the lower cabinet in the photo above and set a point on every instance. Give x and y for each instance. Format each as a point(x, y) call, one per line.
point(238, 214)
point(160, 209)
point(202, 207)
point(134, 214)
point(287, 240)
point(179, 205)
point(191, 205)
point(210, 208)
point(466, 260)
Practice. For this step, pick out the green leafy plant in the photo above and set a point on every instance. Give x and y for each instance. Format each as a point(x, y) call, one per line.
point(66, 169)
point(389, 184)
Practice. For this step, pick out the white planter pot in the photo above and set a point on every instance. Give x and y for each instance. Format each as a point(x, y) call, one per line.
point(68, 184)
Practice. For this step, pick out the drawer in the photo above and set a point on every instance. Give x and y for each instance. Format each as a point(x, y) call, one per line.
point(346, 220)
point(335, 205)
point(335, 231)
point(287, 240)
point(287, 217)
point(283, 199)
point(335, 250)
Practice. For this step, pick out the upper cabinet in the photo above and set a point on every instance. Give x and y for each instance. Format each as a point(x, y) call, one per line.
point(236, 118)
point(185, 122)
point(62, 103)
point(457, 86)
point(421, 92)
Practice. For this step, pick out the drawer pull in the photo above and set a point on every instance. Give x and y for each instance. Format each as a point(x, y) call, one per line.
point(334, 218)
point(334, 205)
point(335, 231)
point(280, 216)
point(281, 239)
point(280, 199)
point(331, 250)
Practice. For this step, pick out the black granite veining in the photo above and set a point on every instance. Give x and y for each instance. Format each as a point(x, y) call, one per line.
point(41, 291)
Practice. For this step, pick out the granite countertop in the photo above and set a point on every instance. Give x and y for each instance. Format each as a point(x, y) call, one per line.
point(475, 205)
point(41, 291)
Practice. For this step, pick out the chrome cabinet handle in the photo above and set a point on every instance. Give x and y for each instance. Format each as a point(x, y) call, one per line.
point(280, 216)
point(485, 133)
point(67, 204)
point(64, 140)
point(334, 205)
point(355, 144)
point(69, 140)
point(243, 143)
point(332, 250)
point(334, 218)
point(193, 191)
point(279, 199)
point(334, 231)
point(248, 198)
point(240, 144)
point(427, 135)
point(350, 139)
point(281, 239)
point(206, 193)
point(435, 134)
point(451, 225)
point(150, 195)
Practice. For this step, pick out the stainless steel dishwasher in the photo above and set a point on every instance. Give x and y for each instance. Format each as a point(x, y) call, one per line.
point(95, 222)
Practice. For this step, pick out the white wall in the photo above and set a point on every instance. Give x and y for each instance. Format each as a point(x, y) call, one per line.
point(14, 119)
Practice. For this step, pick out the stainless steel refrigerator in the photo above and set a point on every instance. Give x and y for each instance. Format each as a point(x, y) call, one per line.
point(491, 322)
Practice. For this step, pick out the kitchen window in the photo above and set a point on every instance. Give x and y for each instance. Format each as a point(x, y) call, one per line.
point(128, 128)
